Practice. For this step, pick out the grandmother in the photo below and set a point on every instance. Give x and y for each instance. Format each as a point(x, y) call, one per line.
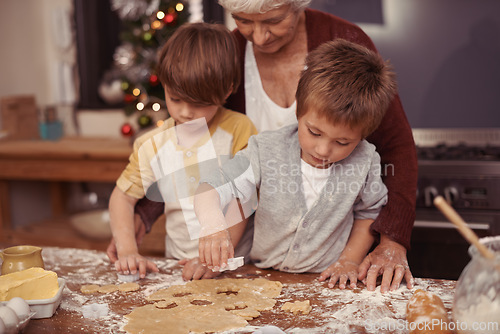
point(274, 37)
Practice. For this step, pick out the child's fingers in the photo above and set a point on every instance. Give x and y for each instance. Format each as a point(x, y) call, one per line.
point(188, 272)
point(132, 267)
point(122, 266)
point(198, 273)
point(216, 255)
point(201, 252)
point(207, 254)
point(325, 274)
point(111, 251)
point(231, 250)
point(353, 278)
point(333, 280)
point(225, 253)
point(152, 266)
point(142, 268)
point(343, 281)
point(118, 267)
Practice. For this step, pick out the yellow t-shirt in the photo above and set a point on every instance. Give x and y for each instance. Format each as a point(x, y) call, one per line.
point(176, 169)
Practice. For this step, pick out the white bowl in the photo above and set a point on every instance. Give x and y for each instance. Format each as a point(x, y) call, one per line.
point(92, 224)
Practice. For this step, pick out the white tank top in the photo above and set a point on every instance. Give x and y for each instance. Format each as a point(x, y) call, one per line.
point(264, 113)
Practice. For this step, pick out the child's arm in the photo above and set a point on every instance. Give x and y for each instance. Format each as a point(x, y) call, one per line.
point(216, 237)
point(193, 269)
point(346, 267)
point(121, 211)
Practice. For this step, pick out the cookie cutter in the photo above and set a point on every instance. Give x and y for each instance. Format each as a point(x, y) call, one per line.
point(128, 277)
point(233, 263)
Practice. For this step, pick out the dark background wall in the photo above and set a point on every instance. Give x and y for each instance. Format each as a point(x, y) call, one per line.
point(446, 54)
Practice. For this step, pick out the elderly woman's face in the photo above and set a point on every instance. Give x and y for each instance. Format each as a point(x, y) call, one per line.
point(270, 31)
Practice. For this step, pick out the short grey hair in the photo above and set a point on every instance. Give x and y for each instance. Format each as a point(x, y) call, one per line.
point(260, 6)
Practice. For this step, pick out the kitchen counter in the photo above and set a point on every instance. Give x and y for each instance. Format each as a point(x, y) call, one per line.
point(78, 159)
point(333, 310)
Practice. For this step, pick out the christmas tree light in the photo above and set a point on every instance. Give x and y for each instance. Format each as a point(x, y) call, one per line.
point(146, 26)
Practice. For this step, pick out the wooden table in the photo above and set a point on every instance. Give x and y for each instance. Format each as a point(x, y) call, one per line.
point(334, 311)
point(69, 159)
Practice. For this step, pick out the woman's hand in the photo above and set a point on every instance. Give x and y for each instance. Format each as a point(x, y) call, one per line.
point(389, 260)
point(215, 249)
point(341, 271)
point(194, 270)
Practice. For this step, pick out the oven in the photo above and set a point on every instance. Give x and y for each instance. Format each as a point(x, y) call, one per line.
point(463, 166)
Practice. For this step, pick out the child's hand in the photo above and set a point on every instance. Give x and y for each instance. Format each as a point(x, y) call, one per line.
point(341, 271)
point(193, 269)
point(215, 249)
point(129, 264)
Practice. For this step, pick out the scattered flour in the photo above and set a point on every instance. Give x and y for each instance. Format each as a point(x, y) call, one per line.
point(81, 267)
point(360, 311)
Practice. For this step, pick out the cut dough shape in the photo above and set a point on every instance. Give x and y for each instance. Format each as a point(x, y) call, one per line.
point(128, 287)
point(210, 305)
point(89, 288)
point(108, 288)
point(298, 306)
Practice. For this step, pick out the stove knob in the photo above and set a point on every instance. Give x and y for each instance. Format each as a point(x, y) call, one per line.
point(430, 193)
point(450, 194)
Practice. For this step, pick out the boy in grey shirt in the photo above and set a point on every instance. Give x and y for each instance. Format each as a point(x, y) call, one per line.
point(318, 182)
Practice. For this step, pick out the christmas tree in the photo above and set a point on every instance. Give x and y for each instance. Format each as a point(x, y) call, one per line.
point(146, 25)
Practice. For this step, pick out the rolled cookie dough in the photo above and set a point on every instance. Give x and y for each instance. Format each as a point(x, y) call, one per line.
point(210, 305)
point(124, 287)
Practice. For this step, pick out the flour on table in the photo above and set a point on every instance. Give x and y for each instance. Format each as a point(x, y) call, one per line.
point(108, 288)
point(333, 310)
point(81, 270)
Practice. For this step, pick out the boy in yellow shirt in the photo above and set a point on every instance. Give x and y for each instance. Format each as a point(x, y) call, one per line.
point(198, 67)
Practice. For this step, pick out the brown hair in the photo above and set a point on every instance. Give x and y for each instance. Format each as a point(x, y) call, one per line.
point(348, 84)
point(199, 64)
